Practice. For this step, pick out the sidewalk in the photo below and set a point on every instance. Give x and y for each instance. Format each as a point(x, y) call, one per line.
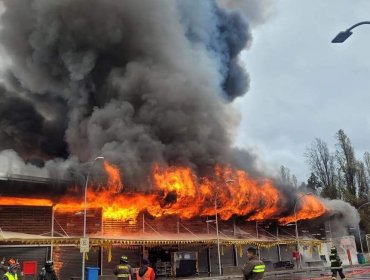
point(324, 271)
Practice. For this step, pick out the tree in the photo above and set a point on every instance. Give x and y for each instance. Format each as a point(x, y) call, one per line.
point(285, 175)
point(313, 184)
point(367, 171)
point(348, 165)
point(294, 181)
point(321, 162)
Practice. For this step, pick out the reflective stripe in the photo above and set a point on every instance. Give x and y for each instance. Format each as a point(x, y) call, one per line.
point(259, 268)
point(11, 276)
point(123, 275)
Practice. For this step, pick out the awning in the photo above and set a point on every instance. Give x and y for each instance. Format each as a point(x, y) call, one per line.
point(148, 239)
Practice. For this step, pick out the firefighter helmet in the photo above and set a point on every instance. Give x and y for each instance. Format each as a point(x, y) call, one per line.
point(123, 259)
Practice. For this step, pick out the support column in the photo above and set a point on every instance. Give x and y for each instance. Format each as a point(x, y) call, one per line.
point(52, 232)
point(278, 246)
point(209, 261)
point(235, 251)
point(101, 249)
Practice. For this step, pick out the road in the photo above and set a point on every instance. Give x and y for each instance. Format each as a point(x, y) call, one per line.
point(358, 273)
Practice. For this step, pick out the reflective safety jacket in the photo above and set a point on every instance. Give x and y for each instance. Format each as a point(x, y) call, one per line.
point(254, 269)
point(145, 273)
point(9, 276)
point(335, 262)
point(123, 272)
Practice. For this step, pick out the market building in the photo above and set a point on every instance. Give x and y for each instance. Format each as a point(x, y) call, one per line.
point(176, 247)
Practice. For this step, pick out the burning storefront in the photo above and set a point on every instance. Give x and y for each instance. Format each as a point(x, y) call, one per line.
point(150, 86)
point(160, 225)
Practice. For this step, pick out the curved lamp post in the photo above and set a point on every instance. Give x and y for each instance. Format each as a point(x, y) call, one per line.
point(358, 227)
point(296, 224)
point(344, 35)
point(85, 207)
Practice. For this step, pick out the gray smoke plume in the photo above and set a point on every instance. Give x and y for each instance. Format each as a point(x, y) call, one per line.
point(344, 217)
point(255, 11)
point(137, 81)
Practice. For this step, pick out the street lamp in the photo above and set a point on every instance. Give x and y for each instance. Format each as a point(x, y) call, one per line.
point(296, 225)
point(218, 237)
point(344, 35)
point(358, 227)
point(85, 207)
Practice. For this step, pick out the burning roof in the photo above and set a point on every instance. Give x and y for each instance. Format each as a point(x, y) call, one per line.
point(178, 191)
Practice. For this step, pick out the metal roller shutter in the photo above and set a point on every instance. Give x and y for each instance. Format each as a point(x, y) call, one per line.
point(68, 261)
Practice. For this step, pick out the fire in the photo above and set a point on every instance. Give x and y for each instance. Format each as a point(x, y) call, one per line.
point(310, 207)
point(179, 191)
point(11, 201)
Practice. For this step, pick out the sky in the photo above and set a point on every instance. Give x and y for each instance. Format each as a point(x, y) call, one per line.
point(302, 85)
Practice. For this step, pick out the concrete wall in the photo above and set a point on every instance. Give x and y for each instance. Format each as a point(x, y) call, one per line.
point(346, 244)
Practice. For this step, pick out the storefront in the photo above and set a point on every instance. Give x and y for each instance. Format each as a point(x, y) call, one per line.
point(171, 254)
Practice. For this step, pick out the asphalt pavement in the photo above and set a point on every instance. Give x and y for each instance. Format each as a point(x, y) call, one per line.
point(351, 273)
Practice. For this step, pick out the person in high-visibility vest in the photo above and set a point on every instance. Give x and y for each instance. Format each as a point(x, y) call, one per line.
point(254, 269)
point(11, 274)
point(123, 271)
point(336, 264)
point(145, 272)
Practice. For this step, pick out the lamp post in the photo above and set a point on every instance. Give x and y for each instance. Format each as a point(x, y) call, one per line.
point(358, 227)
point(344, 35)
point(85, 208)
point(296, 225)
point(218, 237)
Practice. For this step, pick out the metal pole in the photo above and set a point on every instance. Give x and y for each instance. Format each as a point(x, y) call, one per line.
point(359, 231)
point(331, 235)
point(52, 232)
point(278, 246)
point(218, 238)
point(85, 210)
point(357, 24)
point(296, 227)
point(297, 237)
point(359, 236)
point(367, 242)
point(101, 247)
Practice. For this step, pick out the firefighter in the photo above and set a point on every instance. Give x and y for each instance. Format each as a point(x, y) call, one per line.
point(254, 268)
point(11, 274)
point(145, 272)
point(47, 272)
point(336, 264)
point(3, 266)
point(123, 271)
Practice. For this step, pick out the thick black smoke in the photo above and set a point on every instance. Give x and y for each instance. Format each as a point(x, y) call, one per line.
point(137, 81)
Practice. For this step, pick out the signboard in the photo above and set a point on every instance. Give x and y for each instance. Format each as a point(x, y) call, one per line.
point(84, 245)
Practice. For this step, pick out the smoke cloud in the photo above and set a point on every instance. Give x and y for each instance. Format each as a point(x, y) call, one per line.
point(136, 81)
point(255, 11)
point(345, 216)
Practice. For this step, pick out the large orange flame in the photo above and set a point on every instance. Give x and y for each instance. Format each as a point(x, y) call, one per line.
point(310, 207)
point(179, 191)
